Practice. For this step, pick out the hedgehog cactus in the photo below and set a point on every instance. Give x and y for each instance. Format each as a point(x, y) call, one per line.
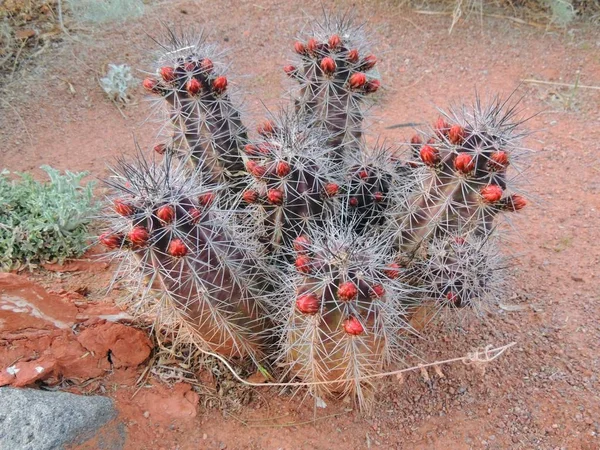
point(187, 258)
point(343, 314)
point(300, 246)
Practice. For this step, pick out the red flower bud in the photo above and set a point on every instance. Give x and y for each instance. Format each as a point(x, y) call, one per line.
point(282, 169)
point(459, 240)
point(392, 271)
point(165, 213)
point(206, 199)
point(347, 291)
point(308, 303)
point(353, 326)
point(266, 128)
point(301, 244)
point(464, 163)
point(167, 73)
point(378, 197)
point(138, 235)
point(193, 86)
point(372, 86)
point(456, 134)
point(206, 65)
point(300, 48)
point(275, 196)
point(357, 80)
point(499, 160)
point(220, 84)
point(331, 189)
point(441, 126)
point(195, 215)
point(255, 169)
point(177, 248)
point(110, 240)
point(150, 84)
point(122, 208)
point(302, 264)
point(453, 298)
point(353, 56)
point(290, 71)
point(363, 174)
point(312, 45)
point(353, 202)
point(160, 148)
point(516, 202)
point(328, 65)
point(189, 66)
point(377, 291)
point(491, 193)
point(250, 196)
point(369, 62)
point(334, 42)
point(429, 155)
point(251, 150)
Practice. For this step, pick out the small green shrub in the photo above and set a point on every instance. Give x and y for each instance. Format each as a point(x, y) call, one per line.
point(43, 222)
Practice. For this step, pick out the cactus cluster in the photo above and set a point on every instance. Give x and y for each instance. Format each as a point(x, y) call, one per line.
point(301, 247)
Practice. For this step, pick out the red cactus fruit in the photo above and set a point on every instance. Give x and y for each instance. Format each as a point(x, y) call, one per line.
point(353, 202)
point(193, 86)
point(377, 291)
point(255, 169)
point(369, 62)
point(429, 155)
point(189, 66)
point(452, 298)
point(122, 208)
point(353, 56)
point(491, 193)
point(416, 140)
point(363, 174)
point(456, 134)
point(335, 41)
point(177, 248)
point(166, 213)
point(206, 199)
point(138, 235)
point(328, 65)
point(459, 240)
point(150, 84)
point(300, 48)
point(378, 197)
point(206, 65)
point(441, 126)
point(251, 149)
point(282, 169)
point(347, 291)
point(250, 196)
point(301, 244)
point(392, 270)
point(357, 80)
point(353, 326)
point(167, 73)
point(516, 202)
point(303, 264)
point(464, 163)
point(220, 84)
point(265, 128)
point(275, 196)
point(160, 148)
point(111, 240)
point(312, 45)
point(499, 160)
point(331, 189)
point(290, 70)
point(195, 215)
point(308, 303)
point(372, 86)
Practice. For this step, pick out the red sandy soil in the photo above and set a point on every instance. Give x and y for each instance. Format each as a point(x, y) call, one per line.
point(543, 393)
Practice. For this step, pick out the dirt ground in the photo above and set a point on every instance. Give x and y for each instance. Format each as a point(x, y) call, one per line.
point(544, 392)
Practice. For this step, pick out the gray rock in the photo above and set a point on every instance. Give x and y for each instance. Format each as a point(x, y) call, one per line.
point(41, 420)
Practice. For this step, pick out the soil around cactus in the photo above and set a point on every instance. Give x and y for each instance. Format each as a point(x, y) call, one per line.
point(543, 393)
